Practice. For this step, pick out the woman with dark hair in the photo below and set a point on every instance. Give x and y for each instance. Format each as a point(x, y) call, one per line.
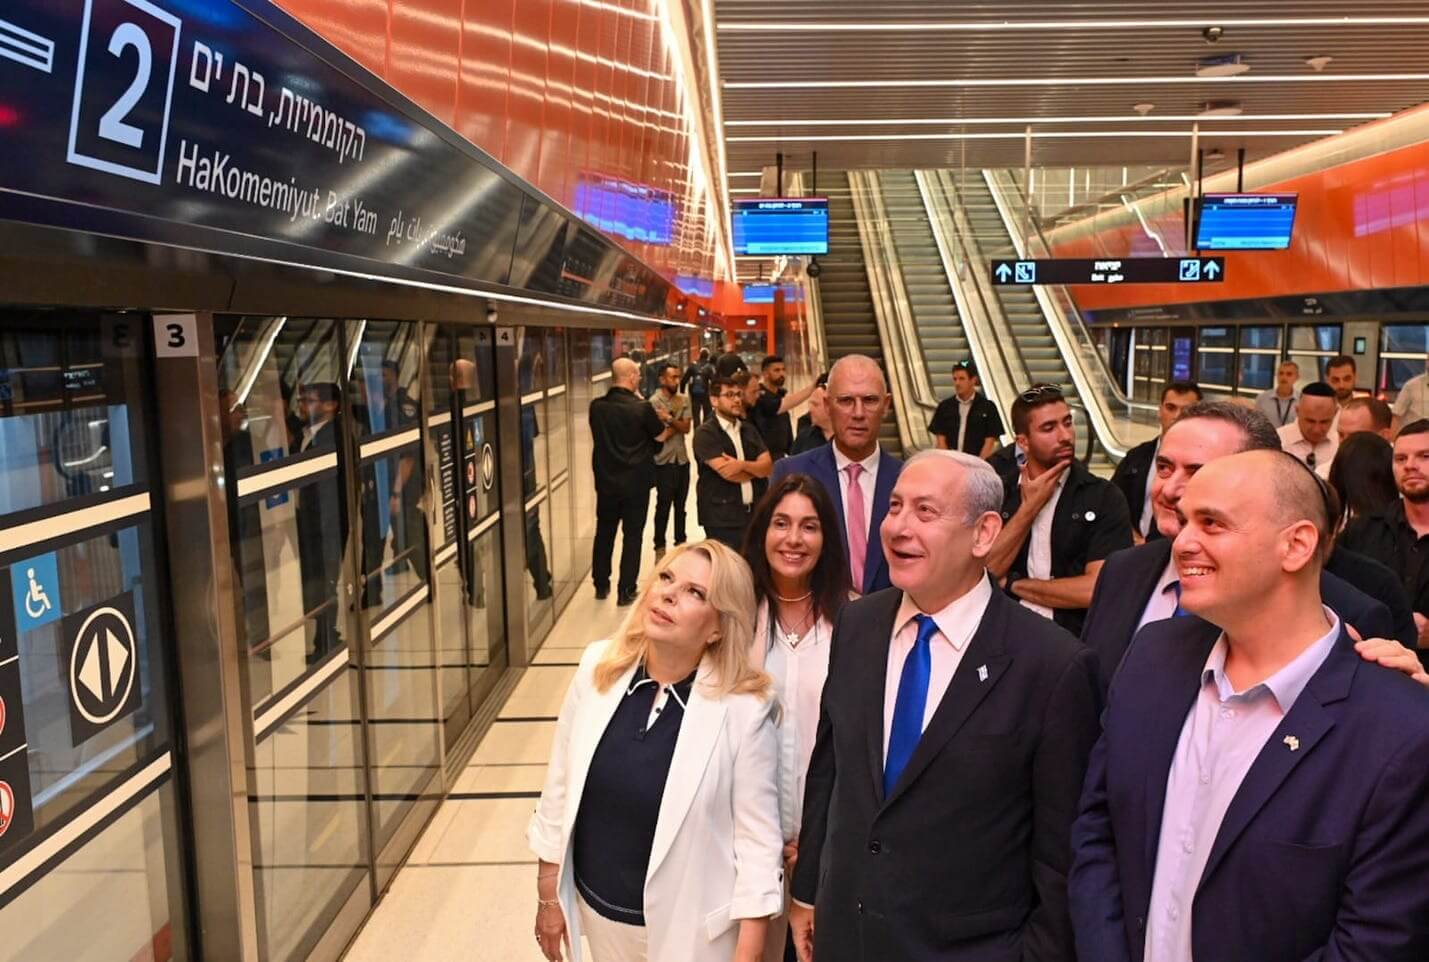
point(801, 581)
point(1362, 474)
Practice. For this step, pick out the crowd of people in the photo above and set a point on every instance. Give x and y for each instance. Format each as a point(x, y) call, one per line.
point(984, 705)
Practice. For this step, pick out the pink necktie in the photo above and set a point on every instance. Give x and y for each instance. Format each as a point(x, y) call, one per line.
point(857, 527)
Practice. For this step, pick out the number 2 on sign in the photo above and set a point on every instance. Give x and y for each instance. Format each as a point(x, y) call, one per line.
point(175, 335)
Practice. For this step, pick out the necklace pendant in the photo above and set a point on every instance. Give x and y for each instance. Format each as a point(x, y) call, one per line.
point(793, 638)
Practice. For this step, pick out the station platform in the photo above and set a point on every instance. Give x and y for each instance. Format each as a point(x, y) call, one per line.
point(467, 892)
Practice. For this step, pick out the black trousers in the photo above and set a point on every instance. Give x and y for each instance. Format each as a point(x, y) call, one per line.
point(625, 511)
point(700, 405)
point(672, 489)
point(733, 537)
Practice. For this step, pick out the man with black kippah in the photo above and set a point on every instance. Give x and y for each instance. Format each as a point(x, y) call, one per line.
point(1310, 437)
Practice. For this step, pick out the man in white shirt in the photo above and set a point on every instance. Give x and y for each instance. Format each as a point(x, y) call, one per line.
point(1278, 403)
point(731, 455)
point(1311, 436)
point(950, 839)
point(1412, 402)
point(1258, 791)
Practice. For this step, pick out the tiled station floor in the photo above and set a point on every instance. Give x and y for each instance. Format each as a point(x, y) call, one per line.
point(468, 891)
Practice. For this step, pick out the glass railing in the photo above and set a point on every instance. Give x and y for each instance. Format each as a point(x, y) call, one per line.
point(907, 370)
point(1120, 422)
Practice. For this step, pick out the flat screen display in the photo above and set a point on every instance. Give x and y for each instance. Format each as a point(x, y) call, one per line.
point(1245, 222)
point(766, 226)
point(764, 293)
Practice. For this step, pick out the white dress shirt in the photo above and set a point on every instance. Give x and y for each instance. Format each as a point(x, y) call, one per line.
point(1223, 734)
point(731, 428)
point(867, 483)
point(1162, 603)
point(956, 625)
point(310, 432)
point(799, 671)
point(1412, 402)
point(965, 409)
point(1293, 442)
point(1039, 548)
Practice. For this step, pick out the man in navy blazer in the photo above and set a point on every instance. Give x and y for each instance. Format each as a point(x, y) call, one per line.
point(1258, 792)
point(1138, 583)
point(857, 401)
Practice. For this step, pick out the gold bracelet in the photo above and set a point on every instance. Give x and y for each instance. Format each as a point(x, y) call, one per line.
point(546, 903)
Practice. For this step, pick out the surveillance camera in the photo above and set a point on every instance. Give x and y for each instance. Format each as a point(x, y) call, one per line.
point(491, 315)
point(813, 270)
point(1213, 34)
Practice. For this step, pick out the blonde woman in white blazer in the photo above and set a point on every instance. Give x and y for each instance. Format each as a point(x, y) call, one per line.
point(801, 579)
point(697, 846)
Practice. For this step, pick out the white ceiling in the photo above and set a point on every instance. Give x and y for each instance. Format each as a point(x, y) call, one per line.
point(1078, 74)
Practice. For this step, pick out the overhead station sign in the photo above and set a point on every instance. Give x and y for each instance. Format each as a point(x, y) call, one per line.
point(1124, 270)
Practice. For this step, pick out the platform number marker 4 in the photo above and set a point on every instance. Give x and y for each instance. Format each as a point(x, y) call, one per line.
point(175, 335)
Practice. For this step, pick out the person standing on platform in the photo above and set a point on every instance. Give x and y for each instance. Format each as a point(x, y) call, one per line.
point(1061, 520)
point(953, 738)
point(1340, 374)
point(772, 405)
point(857, 474)
point(1133, 475)
point(1278, 403)
point(814, 428)
point(1258, 792)
point(967, 421)
point(657, 831)
point(626, 432)
point(1365, 415)
point(731, 456)
point(696, 381)
point(1311, 436)
point(672, 461)
point(1412, 402)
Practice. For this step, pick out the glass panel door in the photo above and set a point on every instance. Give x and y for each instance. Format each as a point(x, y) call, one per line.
point(282, 416)
point(531, 374)
point(90, 851)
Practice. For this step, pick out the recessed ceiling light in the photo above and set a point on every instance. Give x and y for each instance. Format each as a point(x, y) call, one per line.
point(1143, 108)
point(1318, 63)
point(1228, 65)
point(1036, 135)
point(1220, 108)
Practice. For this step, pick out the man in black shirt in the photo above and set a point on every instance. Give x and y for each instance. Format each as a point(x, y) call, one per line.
point(772, 406)
point(625, 431)
point(967, 421)
point(1061, 521)
point(1398, 536)
point(1133, 475)
point(731, 457)
point(696, 382)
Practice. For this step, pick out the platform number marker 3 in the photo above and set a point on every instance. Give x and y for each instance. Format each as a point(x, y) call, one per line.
point(175, 335)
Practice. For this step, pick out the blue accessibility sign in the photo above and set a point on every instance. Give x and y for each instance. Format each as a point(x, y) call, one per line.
point(35, 584)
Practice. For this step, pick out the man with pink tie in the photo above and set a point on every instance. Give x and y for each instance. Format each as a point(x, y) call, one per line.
point(857, 474)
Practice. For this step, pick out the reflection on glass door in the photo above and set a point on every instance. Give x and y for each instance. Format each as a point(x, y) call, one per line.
point(531, 375)
point(281, 409)
point(88, 823)
point(461, 424)
point(399, 661)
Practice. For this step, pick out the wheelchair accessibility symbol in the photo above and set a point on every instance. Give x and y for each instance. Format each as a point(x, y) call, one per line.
point(35, 584)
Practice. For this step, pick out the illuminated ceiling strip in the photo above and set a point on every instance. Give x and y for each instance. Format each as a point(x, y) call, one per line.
point(989, 121)
point(1040, 135)
point(988, 26)
point(1075, 81)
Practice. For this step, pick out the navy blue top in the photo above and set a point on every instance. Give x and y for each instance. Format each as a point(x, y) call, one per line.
point(615, 827)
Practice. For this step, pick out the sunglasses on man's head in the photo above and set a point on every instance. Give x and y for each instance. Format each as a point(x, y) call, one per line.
point(1039, 391)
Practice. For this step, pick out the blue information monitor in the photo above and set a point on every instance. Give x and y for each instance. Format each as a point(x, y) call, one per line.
point(767, 226)
point(1245, 222)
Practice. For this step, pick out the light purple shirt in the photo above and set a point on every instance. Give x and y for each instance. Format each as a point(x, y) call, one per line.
point(1224, 732)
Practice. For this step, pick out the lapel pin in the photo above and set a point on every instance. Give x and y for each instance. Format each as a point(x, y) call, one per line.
point(1091, 515)
point(1293, 742)
point(982, 672)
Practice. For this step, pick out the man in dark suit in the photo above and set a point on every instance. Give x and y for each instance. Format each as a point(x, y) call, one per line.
point(1133, 475)
point(1061, 521)
point(731, 458)
point(1138, 585)
point(321, 520)
point(953, 737)
point(626, 432)
point(968, 421)
point(1258, 792)
point(857, 474)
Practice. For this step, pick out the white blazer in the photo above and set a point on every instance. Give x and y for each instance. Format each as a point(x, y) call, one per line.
point(717, 855)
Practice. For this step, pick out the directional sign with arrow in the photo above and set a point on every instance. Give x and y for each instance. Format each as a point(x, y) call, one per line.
point(101, 665)
point(1112, 270)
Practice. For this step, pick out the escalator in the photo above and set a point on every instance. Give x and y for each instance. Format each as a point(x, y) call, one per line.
point(940, 328)
point(1034, 341)
point(845, 300)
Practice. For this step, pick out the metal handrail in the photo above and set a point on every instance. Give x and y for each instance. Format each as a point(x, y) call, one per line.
point(892, 312)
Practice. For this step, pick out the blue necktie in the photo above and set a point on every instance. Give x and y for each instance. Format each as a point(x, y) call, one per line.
point(1179, 612)
point(910, 705)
